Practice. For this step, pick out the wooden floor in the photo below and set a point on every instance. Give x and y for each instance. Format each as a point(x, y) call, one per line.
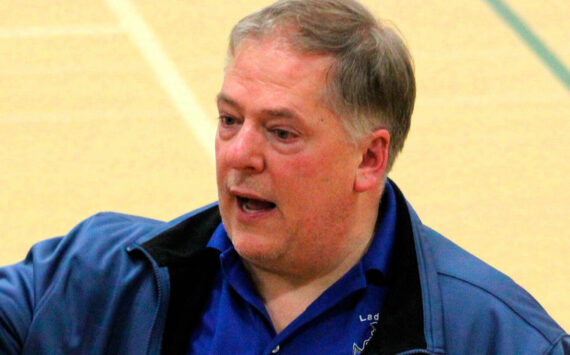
point(109, 105)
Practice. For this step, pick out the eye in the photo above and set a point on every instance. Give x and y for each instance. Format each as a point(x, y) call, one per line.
point(283, 134)
point(227, 121)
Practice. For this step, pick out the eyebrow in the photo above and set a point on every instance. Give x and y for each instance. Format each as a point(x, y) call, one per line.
point(227, 100)
point(280, 113)
point(276, 112)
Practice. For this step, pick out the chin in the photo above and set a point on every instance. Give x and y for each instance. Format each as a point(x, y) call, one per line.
point(255, 249)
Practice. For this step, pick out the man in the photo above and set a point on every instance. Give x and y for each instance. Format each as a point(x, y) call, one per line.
point(311, 248)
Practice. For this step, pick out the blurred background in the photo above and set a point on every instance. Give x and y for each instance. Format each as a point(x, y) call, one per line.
point(109, 105)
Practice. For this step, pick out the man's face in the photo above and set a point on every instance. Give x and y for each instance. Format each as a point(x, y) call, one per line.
point(285, 169)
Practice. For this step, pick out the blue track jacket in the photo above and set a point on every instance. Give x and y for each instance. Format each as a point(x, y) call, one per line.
point(119, 284)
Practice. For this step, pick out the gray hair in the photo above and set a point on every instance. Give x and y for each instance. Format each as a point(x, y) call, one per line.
point(371, 80)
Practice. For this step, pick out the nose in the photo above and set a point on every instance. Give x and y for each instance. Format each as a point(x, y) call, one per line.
point(244, 151)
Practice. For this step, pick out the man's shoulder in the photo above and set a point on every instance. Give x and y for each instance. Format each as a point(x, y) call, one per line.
point(453, 261)
point(103, 236)
point(117, 218)
point(77, 280)
point(114, 228)
point(101, 247)
point(475, 295)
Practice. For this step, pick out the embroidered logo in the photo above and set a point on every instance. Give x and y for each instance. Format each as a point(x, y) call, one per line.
point(357, 350)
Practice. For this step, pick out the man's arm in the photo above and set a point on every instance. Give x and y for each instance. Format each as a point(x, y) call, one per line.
point(18, 297)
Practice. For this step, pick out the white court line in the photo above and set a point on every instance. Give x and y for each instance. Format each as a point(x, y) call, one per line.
point(60, 31)
point(166, 73)
point(84, 115)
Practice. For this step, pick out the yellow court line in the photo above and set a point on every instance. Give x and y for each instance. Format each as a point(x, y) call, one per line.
point(166, 73)
point(60, 31)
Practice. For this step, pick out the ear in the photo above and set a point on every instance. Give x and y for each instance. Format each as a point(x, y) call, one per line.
point(372, 168)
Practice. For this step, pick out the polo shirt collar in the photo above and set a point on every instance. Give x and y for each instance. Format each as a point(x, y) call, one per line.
point(379, 253)
point(220, 240)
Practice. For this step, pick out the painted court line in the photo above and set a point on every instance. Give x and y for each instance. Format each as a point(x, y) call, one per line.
point(60, 31)
point(166, 73)
point(555, 65)
point(84, 115)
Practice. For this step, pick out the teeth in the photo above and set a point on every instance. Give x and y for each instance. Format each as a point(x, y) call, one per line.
point(244, 202)
point(246, 207)
point(252, 205)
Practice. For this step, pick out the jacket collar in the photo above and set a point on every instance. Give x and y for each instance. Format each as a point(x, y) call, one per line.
point(402, 318)
point(192, 267)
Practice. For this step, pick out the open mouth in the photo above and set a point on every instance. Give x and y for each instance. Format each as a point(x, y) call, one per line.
point(251, 205)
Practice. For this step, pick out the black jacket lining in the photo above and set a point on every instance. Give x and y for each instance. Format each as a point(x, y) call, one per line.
point(186, 305)
point(192, 268)
point(401, 325)
point(177, 244)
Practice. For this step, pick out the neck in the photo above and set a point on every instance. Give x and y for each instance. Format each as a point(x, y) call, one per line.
point(287, 295)
point(285, 299)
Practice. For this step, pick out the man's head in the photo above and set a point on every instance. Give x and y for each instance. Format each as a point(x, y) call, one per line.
point(370, 83)
point(298, 186)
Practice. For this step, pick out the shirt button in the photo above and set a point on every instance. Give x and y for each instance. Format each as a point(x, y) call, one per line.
point(276, 350)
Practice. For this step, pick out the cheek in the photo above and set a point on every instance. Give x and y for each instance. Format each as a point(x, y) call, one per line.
point(325, 170)
point(221, 160)
point(217, 154)
point(312, 184)
point(301, 175)
point(312, 165)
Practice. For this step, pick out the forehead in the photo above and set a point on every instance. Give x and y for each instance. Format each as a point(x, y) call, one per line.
point(274, 62)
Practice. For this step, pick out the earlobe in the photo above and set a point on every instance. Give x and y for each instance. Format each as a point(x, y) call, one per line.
point(372, 168)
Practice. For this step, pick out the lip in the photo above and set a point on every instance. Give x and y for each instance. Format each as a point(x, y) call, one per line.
point(248, 217)
point(239, 192)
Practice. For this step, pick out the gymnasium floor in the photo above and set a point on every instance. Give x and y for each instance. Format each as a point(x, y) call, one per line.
point(109, 105)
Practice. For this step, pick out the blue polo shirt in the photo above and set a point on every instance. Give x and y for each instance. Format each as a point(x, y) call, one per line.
point(339, 321)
